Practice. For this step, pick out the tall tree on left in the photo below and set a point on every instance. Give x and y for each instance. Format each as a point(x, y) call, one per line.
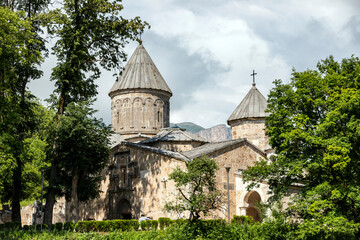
point(90, 34)
point(21, 52)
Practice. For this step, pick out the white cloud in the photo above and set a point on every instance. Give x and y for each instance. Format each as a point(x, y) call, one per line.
point(206, 49)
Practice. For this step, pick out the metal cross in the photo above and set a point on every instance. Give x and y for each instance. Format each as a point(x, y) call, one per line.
point(253, 75)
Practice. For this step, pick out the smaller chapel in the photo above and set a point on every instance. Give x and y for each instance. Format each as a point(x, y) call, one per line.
point(145, 150)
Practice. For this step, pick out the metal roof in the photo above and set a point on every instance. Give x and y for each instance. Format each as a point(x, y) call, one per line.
point(215, 146)
point(157, 150)
point(174, 134)
point(115, 139)
point(252, 106)
point(140, 73)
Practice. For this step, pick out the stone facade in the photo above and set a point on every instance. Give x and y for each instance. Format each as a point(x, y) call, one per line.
point(251, 129)
point(136, 182)
point(134, 112)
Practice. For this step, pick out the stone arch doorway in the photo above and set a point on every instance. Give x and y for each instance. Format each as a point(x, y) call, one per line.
point(123, 209)
point(252, 199)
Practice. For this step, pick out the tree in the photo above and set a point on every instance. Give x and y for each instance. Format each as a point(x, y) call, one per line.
point(314, 127)
point(20, 55)
point(90, 34)
point(82, 153)
point(197, 188)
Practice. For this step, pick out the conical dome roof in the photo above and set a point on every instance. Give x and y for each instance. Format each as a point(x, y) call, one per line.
point(140, 73)
point(252, 106)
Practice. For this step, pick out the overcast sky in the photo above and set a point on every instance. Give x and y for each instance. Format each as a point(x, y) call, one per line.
point(207, 49)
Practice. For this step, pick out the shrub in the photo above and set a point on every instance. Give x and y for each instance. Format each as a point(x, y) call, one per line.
point(32, 227)
point(13, 225)
point(85, 226)
point(107, 225)
point(143, 225)
point(242, 219)
point(52, 227)
point(26, 227)
point(2, 226)
point(69, 226)
point(164, 223)
point(59, 226)
point(180, 222)
point(154, 224)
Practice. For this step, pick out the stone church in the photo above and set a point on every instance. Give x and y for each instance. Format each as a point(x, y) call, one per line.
point(145, 150)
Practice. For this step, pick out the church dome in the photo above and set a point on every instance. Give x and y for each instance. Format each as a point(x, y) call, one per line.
point(140, 98)
point(251, 107)
point(140, 73)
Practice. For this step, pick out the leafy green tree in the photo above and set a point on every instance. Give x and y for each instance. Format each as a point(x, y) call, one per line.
point(20, 55)
point(197, 188)
point(314, 127)
point(82, 152)
point(90, 34)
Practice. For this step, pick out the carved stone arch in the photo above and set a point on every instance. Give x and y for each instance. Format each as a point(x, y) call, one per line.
point(137, 100)
point(251, 200)
point(159, 113)
point(159, 102)
point(137, 116)
point(148, 119)
point(125, 116)
point(123, 209)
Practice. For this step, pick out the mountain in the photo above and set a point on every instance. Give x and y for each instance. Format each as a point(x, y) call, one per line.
point(189, 126)
point(216, 134)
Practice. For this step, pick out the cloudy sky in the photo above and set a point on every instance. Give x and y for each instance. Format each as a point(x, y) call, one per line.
point(207, 49)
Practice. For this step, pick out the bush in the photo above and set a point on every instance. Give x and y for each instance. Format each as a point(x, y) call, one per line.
point(59, 226)
point(242, 219)
point(164, 223)
point(32, 227)
point(85, 226)
point(143, 225)
point(52, 227)
point(13, 225)
point(38, 227)
point(2, 226)
point(107, 226)
point(69, 226)
point(26, 227)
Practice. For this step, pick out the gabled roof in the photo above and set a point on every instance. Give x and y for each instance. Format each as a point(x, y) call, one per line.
point(252, 106)
point(115, 139)
point(140, 73)
point(174, 135)
point(215, 146)
point(157, 150)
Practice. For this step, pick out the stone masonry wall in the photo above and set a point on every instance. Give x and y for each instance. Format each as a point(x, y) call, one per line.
point(139, 112)
point(252, 130)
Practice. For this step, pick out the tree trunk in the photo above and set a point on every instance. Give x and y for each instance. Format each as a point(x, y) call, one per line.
point(16, 192)
point(73, 210)
point(50, 199)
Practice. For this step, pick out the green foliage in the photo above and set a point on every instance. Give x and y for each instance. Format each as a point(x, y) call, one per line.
point(58, 226)
point(144, 225)
point(106, 226)
point(12, 225)
point(164, 222)
point(314, 126)
point(82, 151)
point(242, 220)
point(69, 226)
point(197, 188)
point(26, 228)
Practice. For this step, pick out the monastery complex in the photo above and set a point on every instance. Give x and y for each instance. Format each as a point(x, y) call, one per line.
point(145, 150)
